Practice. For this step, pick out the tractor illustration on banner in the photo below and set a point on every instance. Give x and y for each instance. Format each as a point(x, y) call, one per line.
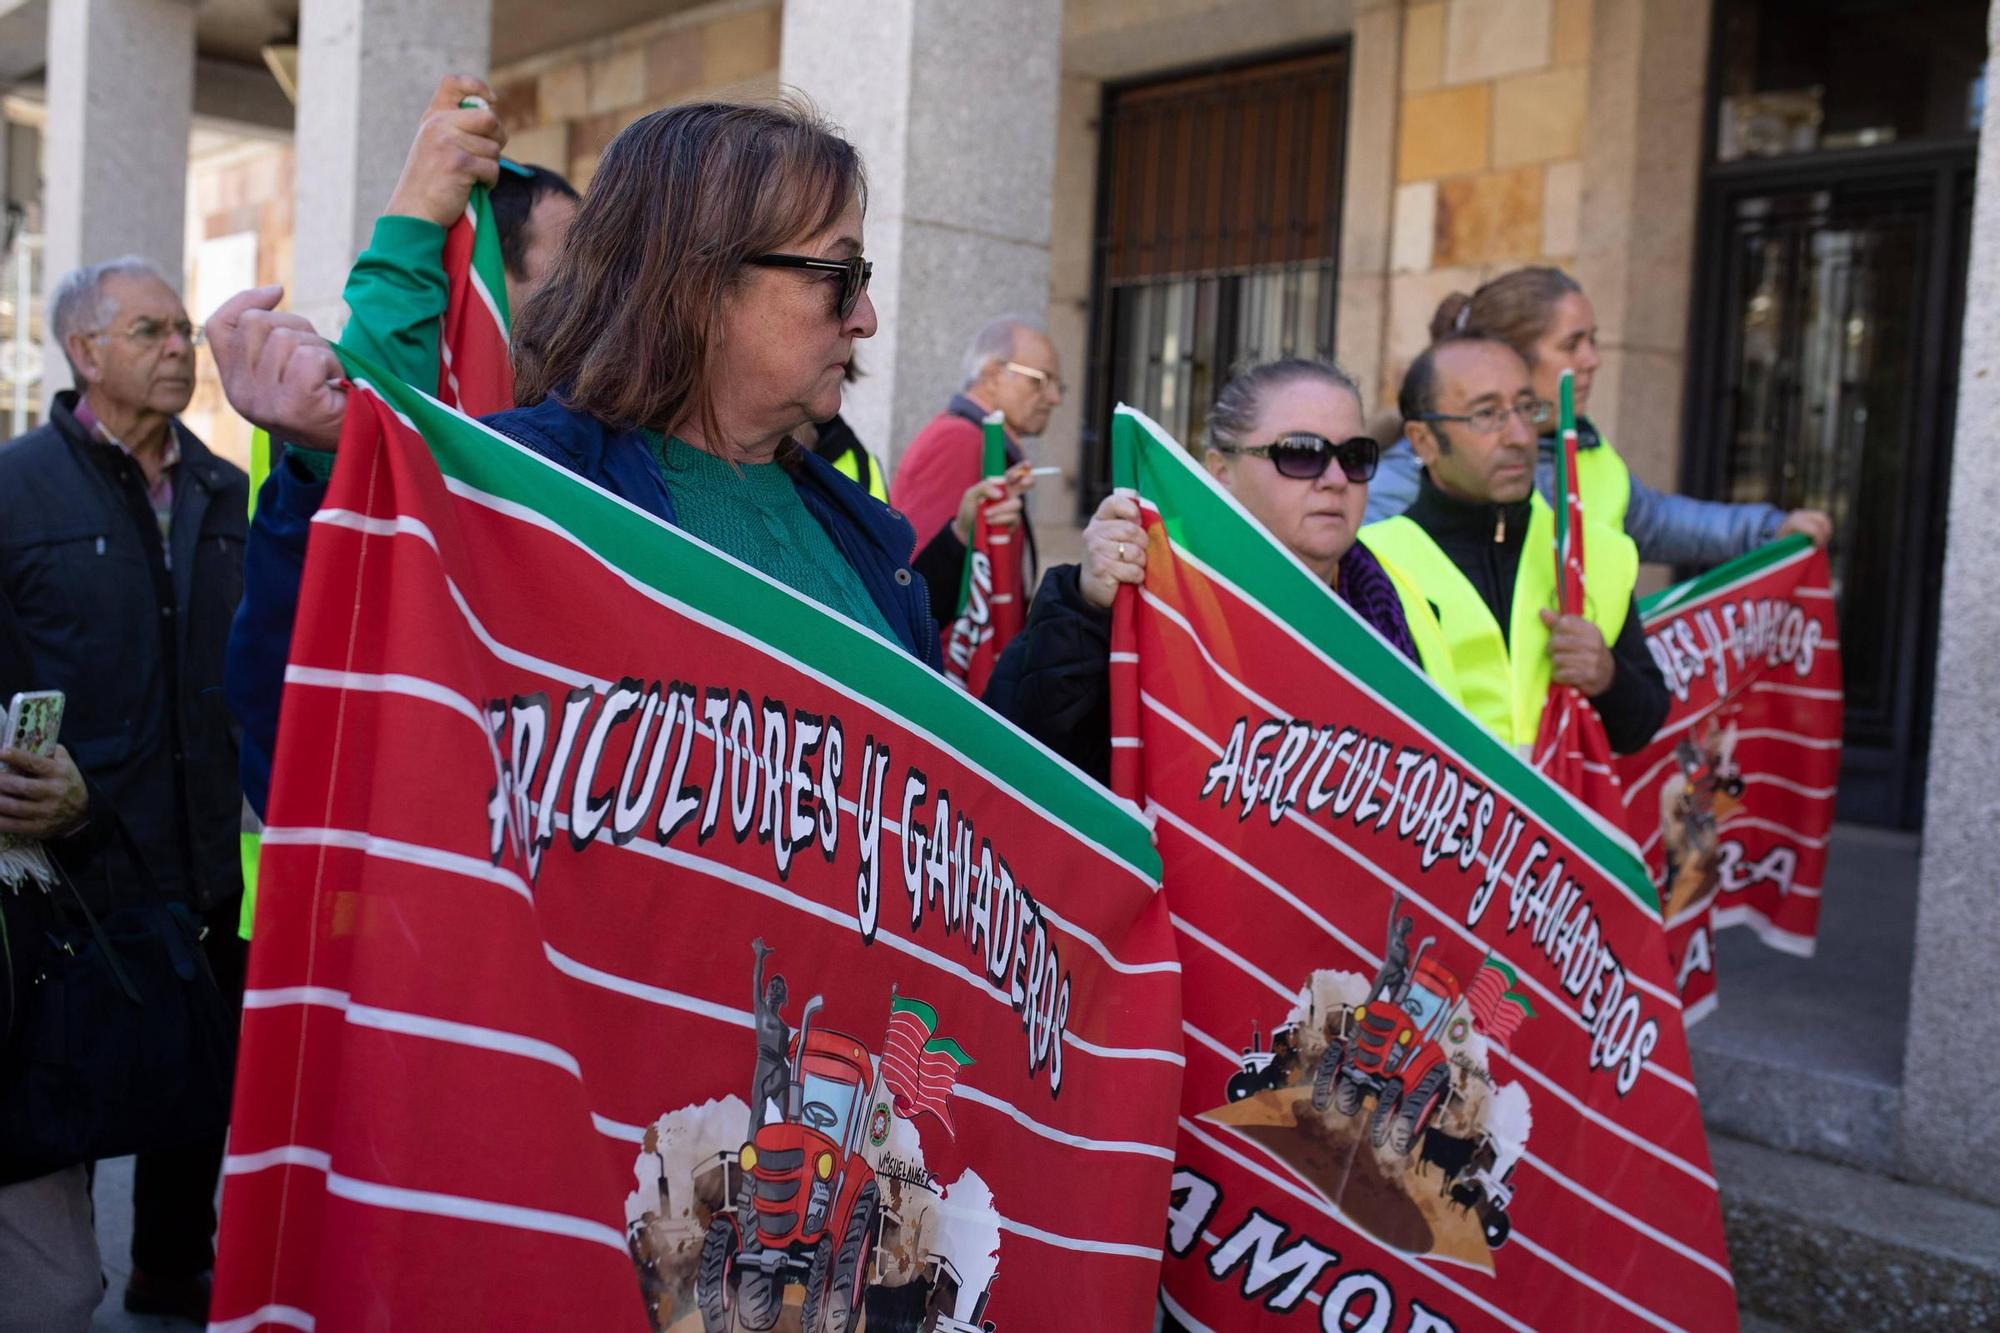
point(811, 1197)
point(809, 1206)
point(1378, 1091)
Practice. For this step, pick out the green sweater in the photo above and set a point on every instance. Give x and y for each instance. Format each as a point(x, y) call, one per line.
point(396, 295)
point(753, 512)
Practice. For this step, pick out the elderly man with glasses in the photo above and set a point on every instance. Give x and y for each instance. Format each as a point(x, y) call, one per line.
point(1476, 555)
point(1010, 367)
point(121, 555)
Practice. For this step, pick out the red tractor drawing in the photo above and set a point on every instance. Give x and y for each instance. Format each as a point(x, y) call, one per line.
point(1388, 1047)
point(806, 1210)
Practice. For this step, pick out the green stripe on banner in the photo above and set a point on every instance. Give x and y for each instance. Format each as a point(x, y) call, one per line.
point(488, 267)
point(948, 1046)
point(1199, 518)
point(924, 1013)
point(260, 468)
point(1745, 566)
point(650, 553)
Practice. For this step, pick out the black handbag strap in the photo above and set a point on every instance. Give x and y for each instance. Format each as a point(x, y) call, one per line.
point(97, 935)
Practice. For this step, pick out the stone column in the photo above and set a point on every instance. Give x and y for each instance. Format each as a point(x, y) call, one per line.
point(120, 101)
point(367, 69)
point(1367, 194)
point(1642, 156)
point(1951, 1095)
point(953, 107)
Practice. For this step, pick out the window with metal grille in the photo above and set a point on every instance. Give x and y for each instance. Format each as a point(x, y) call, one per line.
point(1218, 225)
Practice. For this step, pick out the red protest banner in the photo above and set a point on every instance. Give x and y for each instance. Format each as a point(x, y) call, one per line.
point(600, 880)
point(1436, 1072)
point(990, 604)
point(475, 371)
point(1734, 798)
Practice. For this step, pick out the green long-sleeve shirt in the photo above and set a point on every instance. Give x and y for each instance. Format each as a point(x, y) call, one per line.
point(396, 296)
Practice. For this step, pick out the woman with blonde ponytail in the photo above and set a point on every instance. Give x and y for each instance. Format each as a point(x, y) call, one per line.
point(1543, 314)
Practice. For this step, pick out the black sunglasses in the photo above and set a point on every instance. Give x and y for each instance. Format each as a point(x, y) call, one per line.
point(1303, 456)
point(854, 274)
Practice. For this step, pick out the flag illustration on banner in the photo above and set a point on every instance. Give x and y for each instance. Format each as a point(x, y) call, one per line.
point(1570, 748)
point(1497, 1008)
point(1357, 868)
point(475, 373)
point(1733, 801)
point(989, 598)
point(918, 1068)
point(594, 858)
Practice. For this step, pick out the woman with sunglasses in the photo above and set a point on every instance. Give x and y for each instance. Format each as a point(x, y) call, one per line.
point(705, 304)
point(1285, 438)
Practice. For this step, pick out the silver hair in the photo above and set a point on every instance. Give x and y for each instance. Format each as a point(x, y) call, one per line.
point(995, 342)
point(77, 303)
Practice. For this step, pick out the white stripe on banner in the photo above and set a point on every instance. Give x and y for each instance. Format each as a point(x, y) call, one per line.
point(416, 687)
point(1772, 934)
point(1369, 956)
point(409, 853)
point(1786, 784)
point(1796, 691)
point(1150, 1253)
point(284, 1316)
point(397, 1198)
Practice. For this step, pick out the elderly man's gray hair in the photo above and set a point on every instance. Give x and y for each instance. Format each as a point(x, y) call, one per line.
point(995, 342)
point(77, 305)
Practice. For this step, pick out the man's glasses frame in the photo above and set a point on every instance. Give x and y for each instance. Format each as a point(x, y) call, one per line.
point(1303, 456)
point(1491, 419)
point(1038, 375)
point(854, 274)
point(152, 333)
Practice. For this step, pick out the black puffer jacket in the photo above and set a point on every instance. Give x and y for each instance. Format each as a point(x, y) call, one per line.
point(1054, 679)
point(135, 640)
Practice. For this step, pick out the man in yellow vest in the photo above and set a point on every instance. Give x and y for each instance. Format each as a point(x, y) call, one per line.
point(1473, 559)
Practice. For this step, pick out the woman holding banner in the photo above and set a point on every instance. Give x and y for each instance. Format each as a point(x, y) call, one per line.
point(705, 304)
point(1543, 314)
point(1285, 438)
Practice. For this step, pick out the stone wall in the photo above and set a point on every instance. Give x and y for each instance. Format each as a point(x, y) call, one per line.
point(563, 108)
point(1489, 153)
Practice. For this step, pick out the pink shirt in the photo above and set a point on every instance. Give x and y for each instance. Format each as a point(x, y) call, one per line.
point(160, 492)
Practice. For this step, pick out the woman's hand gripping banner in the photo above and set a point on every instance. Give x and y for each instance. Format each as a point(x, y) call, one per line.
point(1436, 1072)
point(642, 945)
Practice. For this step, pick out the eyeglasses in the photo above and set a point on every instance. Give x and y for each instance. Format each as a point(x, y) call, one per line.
point(152, 332)
point(1042, 377)
point(1488, 420)
point(1303, 456)
point(854, 274)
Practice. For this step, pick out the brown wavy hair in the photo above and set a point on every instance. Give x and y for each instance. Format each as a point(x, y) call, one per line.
point(1515, 308)
point(624, 326)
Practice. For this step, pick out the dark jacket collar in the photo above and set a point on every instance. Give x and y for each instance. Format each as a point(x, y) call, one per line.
point(1586, 436)
point(1450, 520)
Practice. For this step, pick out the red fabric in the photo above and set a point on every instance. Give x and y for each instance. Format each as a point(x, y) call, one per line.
point(1571, 748)
point(991, 613)
point(475, 368)
point(1732, 802)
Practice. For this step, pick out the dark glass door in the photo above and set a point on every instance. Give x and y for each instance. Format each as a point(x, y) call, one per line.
point(1826, 374)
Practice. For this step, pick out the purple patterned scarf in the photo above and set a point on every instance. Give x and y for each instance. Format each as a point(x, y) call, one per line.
point(1364, 585)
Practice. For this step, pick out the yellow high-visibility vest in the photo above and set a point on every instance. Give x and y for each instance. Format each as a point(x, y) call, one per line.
point(850, 464)
point(1604, 484)
point(1501, 680)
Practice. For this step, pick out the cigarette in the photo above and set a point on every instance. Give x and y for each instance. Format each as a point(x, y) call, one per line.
point(1045, 472)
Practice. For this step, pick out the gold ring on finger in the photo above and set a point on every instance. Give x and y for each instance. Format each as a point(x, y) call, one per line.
point(1121, 553)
